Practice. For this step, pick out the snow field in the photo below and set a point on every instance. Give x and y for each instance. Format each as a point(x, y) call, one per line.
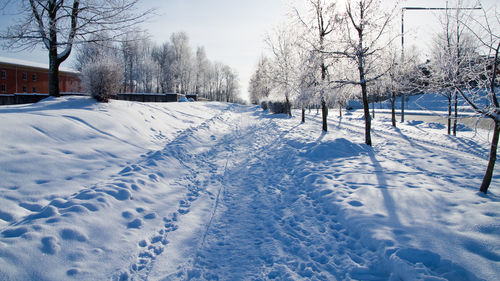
point(84, 221)
point(212, 191)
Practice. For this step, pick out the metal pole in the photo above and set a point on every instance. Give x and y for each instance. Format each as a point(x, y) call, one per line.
point(403, 9)
point(425, 9)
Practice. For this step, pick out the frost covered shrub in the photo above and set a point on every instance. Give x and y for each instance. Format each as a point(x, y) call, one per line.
point(102, 78)
point(263, 105)
point(278, 107)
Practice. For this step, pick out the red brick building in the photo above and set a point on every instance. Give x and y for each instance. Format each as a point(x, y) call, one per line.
point(17, 76)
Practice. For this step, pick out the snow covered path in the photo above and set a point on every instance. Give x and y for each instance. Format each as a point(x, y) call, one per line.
point(210, 191)
point(269, 224)
point(281, 212)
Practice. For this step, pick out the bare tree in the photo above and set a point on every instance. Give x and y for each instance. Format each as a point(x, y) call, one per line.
point(321, 21)
point(201, 68)
point(131, 53)
point(230, 84)
point(404, 78)
point(481, 89)
point(286, 64)
point(366, 25)
point(260, 83)
point(96, 48)
point(452, 48)
point(58, 25)
point(182, 62)
point(164, 57)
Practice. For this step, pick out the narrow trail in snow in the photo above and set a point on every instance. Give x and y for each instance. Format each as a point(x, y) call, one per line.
point(193, 163)
point(266, 217)
point(270, 223)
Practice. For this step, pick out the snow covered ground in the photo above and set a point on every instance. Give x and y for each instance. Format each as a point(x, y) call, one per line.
point(214, 191)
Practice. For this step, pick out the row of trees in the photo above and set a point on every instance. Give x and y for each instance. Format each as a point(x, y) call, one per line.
point(60, 25)
point(338, 54)
point(328, 55)
point(104, 31)
point(170, 67)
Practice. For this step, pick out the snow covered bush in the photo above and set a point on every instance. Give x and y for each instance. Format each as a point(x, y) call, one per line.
point(263, 105)
point(102, 78)
point(276, 107)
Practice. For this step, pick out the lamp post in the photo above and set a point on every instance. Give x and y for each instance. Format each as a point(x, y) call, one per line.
point(403, 35)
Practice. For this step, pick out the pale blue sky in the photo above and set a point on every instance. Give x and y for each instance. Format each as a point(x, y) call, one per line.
point(232, 31)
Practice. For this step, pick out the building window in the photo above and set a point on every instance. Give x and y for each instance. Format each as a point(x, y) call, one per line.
point(34, 89)
point(34, 77)
point(25, 76)
point(4, 88)
point(3, 74)
point(25, 89)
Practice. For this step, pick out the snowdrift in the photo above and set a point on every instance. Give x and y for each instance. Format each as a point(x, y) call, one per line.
point(214, 191)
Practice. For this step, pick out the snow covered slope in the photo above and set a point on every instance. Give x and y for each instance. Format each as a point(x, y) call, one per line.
point(213, 191)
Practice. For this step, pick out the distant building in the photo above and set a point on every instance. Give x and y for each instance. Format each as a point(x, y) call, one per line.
point(18, 76)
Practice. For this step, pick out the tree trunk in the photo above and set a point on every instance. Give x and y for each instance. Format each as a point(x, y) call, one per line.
point(131, 78)
point(53, 58)
point(493, 157)
point(449, 115)
point(402, 108)
point(303, 115)
point(53, 74)
point(340, 111)
point(288, 106)
point(393, 110)
point(324, 111)
point(368, 139)
point(456, 115)
point(373, 110)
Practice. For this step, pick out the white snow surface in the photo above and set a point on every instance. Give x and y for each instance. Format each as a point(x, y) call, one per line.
point(214, 191)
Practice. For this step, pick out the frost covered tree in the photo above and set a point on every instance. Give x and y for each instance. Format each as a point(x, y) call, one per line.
point(319, 23)
point(452, 49)
point(260, 86)
point(163, 57)
point(286, 64)
point(482, 79)
point(182, 62)
point(309, 90)
point(366, 25)
point(130, 49)
point(102, 77)
point(202, 67)
point(97, 47)
point(230, 82)
point(403, 78)
point(58, 25)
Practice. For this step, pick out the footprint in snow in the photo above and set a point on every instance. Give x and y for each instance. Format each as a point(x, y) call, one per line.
point(137, 223)
point(46, 212)
point(72, 234)
point(72, 272)
point(153, 177)
point(6, 216)
point(150, 216)
point(355, 203)
point(14, 232)
point(50, 245)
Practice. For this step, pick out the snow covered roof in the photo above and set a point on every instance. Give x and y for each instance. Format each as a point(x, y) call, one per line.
point(33, 64)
